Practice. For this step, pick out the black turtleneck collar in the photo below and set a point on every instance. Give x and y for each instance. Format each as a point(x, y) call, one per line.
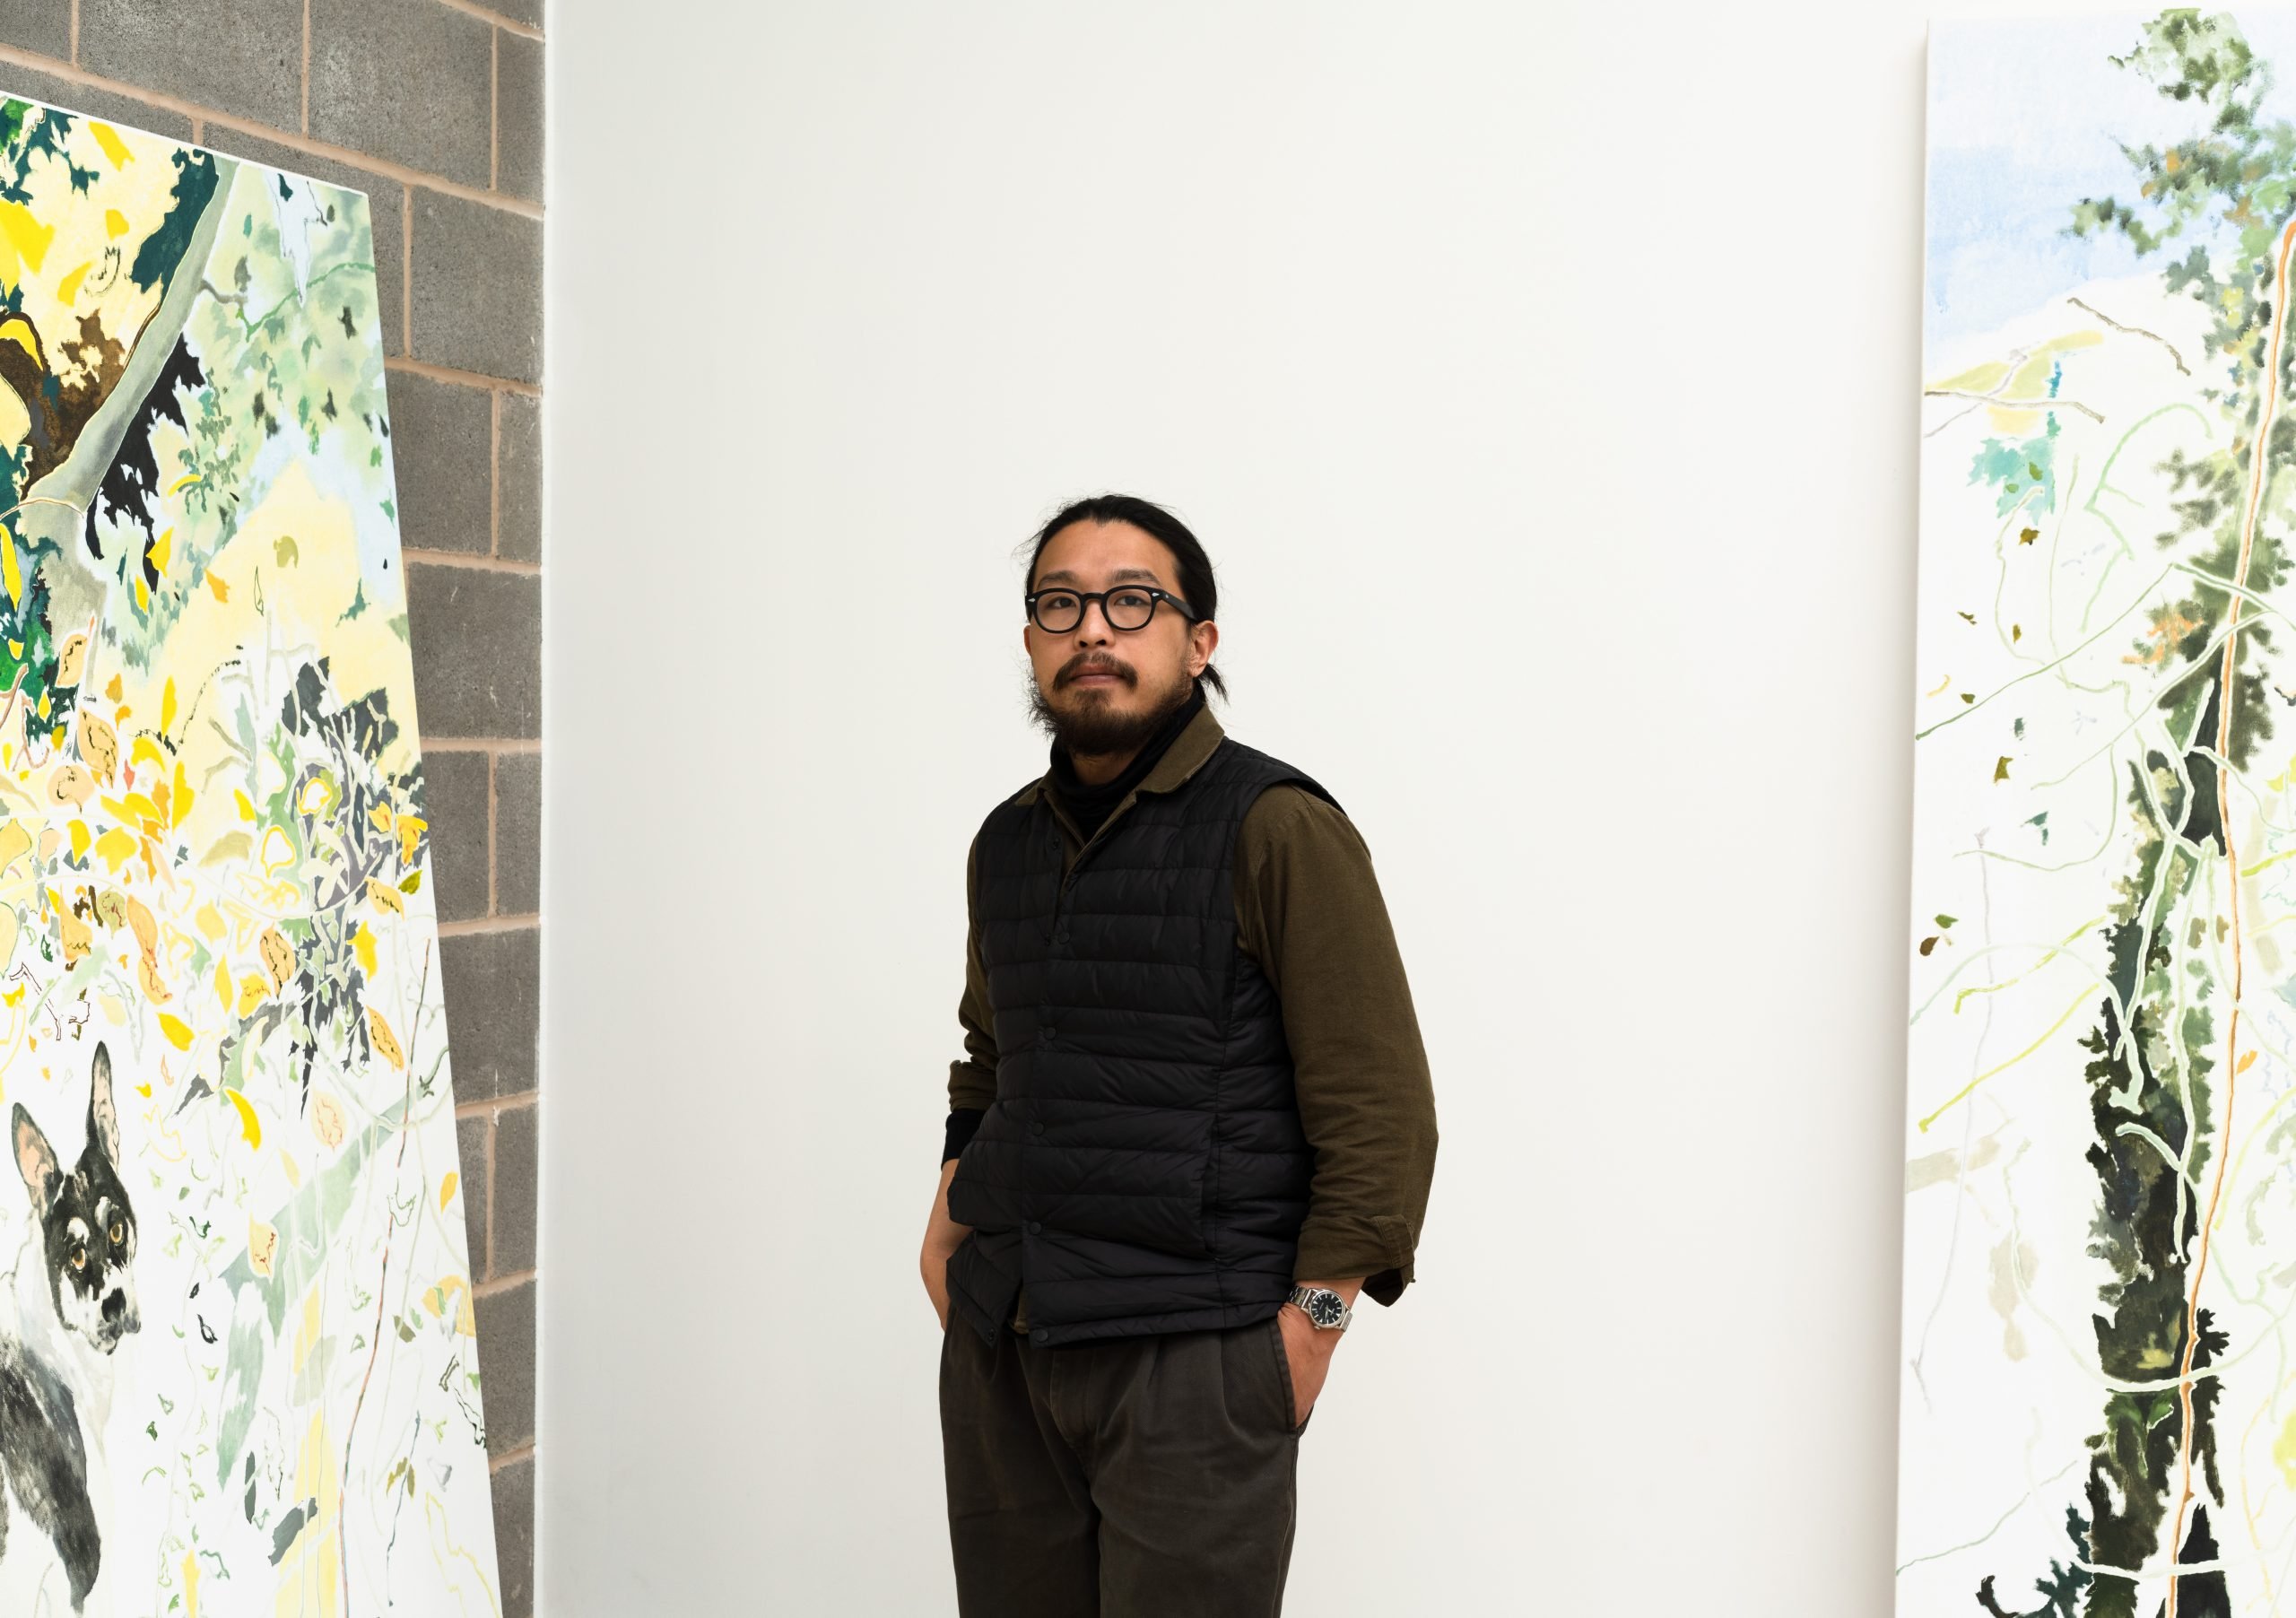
point(1089, 805)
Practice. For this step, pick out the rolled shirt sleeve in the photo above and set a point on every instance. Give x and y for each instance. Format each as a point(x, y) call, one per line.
point(972, 1078)
point(1309, 912)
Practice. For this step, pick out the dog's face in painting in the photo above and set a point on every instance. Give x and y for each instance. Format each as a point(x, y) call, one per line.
point(88, 1227)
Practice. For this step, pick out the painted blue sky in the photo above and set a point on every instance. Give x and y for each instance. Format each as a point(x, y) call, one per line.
point(2025, 115)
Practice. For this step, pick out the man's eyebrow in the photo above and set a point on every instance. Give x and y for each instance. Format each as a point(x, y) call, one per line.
point(1063, 575)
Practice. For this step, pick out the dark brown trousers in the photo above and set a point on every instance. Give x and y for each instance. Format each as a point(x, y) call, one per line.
point(1142, 1476)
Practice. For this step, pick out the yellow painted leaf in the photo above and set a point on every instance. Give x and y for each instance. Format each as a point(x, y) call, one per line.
point(11, 571)
point(246, 809)
point(114, 848)
point(68, 289)
point(223, 983)
point(217, 587)
point(115, 223)
point(114, 147)
point(263, 1244)
point(363, 944)
point(100, 746)
point(143, 594)
point(145, 751)
point(318, 797)
point(385, 898)
point(386, 1041)
point(72, 662)
point(69, 783)
point(190, 1563)
point(141, 923)
point(327, 1119)
point(114, 1010)
point(210, 921)
point(381, 815)
point(253, 992)
point(76, 939)
point(294, 1169)
point(177, 1031)
point(278, 955)
point(2247, 1060)
point(447, 1187)
point(410, 832)
point(277, 853)
point(249, 1125)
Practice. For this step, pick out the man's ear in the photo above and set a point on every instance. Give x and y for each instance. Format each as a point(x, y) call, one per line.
point(103, 1118)
point(35, 1161)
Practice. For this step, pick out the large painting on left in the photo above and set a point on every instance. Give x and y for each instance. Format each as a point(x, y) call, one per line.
point(237, 1357)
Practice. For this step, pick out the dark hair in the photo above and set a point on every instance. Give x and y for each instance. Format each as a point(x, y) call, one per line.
point(1196, 585)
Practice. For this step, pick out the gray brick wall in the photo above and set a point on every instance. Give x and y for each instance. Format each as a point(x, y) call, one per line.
point(434, 109)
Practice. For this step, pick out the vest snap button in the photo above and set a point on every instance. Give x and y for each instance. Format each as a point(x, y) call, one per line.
point(1039, 1334)
point(1049, 1034)
point(1036, 1128)
point(1035, 1226)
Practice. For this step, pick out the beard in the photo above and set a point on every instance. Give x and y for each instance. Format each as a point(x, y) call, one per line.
point(1088, 724)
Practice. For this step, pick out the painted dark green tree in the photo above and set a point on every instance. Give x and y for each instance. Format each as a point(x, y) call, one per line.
point(2218, 210)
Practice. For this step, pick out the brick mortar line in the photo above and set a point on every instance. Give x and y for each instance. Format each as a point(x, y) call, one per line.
point(448, 373)
point(364, 161)
point(501, 1103)
point(509, 25)
point(524, 1452)
point(496, 745)
point(468, 559)
point(480, 926)
point(495, 1286)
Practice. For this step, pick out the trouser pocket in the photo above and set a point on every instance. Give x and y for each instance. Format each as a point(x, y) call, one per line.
point(1283, 1377)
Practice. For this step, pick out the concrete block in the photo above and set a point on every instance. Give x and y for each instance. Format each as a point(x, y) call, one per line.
point(517, 833)
point(477, 636)
point(407, 79)
point(517, 479)
point(493, 984)
point(516, 1172)
point(442, 448)
point(456, 802)
point(242, 57)
point(477, 287)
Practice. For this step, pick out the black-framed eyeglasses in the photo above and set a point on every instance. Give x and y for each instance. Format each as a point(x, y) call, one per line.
point(1126, 606)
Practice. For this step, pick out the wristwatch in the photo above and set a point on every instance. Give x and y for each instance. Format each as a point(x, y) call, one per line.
point(1326, 1308)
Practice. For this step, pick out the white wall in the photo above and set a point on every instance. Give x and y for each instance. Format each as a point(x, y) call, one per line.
point(1543, 381)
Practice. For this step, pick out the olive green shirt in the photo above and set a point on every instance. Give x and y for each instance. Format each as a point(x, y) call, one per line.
point(1310, 913)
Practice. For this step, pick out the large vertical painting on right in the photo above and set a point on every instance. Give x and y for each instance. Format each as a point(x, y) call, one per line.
point(2098, 1411)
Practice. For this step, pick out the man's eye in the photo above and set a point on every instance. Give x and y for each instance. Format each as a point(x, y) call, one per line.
point(1132, 598)
point(118, 1231)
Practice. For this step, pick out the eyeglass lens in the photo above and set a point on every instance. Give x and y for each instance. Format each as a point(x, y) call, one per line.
point(1060, 611)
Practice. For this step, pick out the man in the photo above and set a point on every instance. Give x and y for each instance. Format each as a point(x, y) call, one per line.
point(1193, 1123)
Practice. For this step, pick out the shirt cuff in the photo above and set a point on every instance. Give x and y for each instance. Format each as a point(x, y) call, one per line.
point(959, 1130)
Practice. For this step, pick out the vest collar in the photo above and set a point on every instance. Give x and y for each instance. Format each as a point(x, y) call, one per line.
point(1181, 760)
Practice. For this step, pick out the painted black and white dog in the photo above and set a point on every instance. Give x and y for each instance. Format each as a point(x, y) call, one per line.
point(73, 1300)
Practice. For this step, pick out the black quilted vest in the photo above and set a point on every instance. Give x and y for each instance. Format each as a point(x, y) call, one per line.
point(1143, 1169)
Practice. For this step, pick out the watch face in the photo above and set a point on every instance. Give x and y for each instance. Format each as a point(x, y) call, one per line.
point(1324, 1307)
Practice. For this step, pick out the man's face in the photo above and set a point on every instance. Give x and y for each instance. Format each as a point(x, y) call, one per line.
point(1102, 690)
